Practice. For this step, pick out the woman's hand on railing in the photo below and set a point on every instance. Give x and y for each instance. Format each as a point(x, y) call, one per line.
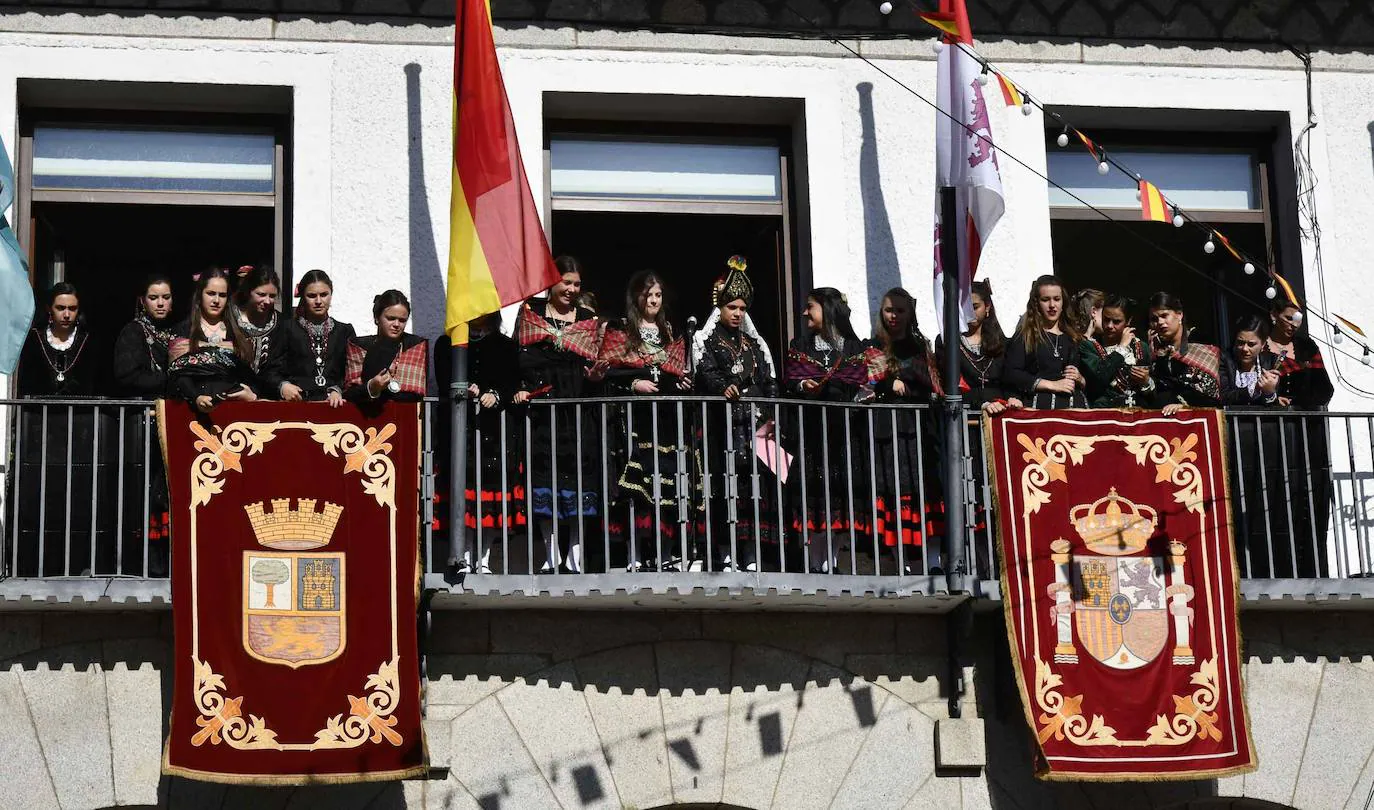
point(684, 384)
point(899, 387)
point(205, 403)
point(809, 387)
point(597, 371)
point(521, 397)
point(473, 391)
point(242, 394)
point(731, 392)
point(488, 400)
point(334, 398)
point(290, 392)
point(644, 387)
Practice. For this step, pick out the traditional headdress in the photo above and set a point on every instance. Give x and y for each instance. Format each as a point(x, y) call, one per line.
point(735, 284)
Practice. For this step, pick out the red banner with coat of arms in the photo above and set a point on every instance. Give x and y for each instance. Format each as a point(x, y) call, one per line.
point(294, 588)
point(1120, 588)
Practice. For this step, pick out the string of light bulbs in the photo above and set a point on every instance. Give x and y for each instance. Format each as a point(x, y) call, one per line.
point(1027, 108)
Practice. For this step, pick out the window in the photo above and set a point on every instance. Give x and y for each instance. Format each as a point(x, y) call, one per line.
point(1220, 178)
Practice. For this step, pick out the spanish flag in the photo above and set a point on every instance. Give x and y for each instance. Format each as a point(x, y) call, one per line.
point(1088, 142)
point(1152, 207)
point(1286, 287)
point(1010, 93)
point(946, 21)
point(498, 254)
point(1226, 243)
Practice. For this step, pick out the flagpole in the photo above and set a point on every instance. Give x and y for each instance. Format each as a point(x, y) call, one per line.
point(953, 401)
point(458, 452)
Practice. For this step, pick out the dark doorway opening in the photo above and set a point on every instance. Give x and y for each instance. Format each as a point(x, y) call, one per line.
point(688, 250)
point(107, 250)
point(1094, 253)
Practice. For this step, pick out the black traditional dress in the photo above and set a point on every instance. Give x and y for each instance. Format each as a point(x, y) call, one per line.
point(1198, 374)
point(211, 369)
point(730, 357)
point(906, 466)
point(141, 360)
point(1052, 354)
point(407, 359)
point(316, 355)
point(829, 448)
point(1107, 370)
point(269, 344)
point(73, 449)
point(554, 357)
point(654, 476)
point(979, 372)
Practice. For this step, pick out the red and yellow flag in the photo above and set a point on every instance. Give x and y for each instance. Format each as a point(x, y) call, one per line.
point(1152, 206)
point(1088, 142)
point(952, 19)
point(1226, 243)
point(1286, 287)
point(498, 254)
point(1348, 325)
point(944, 21)
point(1010, 93)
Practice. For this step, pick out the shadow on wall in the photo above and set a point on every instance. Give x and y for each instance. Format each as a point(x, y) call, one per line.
point(426, 273)
point(883, 270)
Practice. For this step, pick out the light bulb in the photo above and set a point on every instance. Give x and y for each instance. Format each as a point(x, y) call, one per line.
point(1027, 108)
point(1103, 168)
point(1337, 338)
point(1271, 293)
point(1365, 357)
point(1211, 247)
point(1178, 220)
point(1297, 318)
point(1137, 195)
point(1249, 269)
point(886, 7)
point(982, 79)
point(1062, 140)
point(938, 46)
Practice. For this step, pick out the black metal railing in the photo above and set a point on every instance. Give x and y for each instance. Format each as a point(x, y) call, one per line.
point(677, 484)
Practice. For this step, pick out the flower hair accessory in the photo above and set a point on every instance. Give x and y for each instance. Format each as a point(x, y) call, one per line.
point(737, 263)
point(244, 270)
point(196, 276)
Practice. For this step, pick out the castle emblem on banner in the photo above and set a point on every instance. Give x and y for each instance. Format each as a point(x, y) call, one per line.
point(293, 597)
point(1117, 602)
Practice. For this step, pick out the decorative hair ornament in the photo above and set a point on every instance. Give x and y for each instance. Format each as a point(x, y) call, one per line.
point(195, 276)
point(735, 284)
point(244, 269)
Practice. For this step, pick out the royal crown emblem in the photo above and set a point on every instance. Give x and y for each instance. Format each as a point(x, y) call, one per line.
point(1113, 525)
point(298, 529)
point(293, 602)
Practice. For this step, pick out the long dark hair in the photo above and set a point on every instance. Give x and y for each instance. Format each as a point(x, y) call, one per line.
point(835, 313)
point(1033, 325)
point(1167, 300)
point(148, 281)
point(640, 284)
point(197, 335)
point(1081, 312)
point(63, 288)
point(885, 338)
point(993, 341)
point(381, 303)
point(311, 277)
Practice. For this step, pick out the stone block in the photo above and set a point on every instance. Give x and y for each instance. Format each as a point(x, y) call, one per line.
point(135, 707)
point(895, 762)
point(940, 791)
point(551, 717)
point(912, 679)
point(501, 774)
point(306, 29)
point(621, 689)
point(836, 716)
point(764, 701)
point(70, 713)
point(694, 693)
point(827, 636)
point(466, 679)
point(535, 36)
point(1281, 697)
point(561, 635)
point(26, 772)
point(147, 25)
point(959, 743)
point(1337, 746)
point(20, 633)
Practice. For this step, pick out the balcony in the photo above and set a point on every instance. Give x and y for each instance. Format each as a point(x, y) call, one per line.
point(651, 485)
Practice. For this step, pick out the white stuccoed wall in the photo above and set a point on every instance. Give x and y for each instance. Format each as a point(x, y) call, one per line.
point(354, 213)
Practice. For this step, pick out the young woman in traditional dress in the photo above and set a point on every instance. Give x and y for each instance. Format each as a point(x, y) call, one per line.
point(255, 315)
point(140, 371)
point(392, 364)
point(1115, 361)
point(826, 364)
point(1304, 386)
point(559, 342)
point(1185, 373)
point(210, 360)
point(141, 350)
point(58, 358)
point(905, 465)
point(316, 344)
point(1042, 359)
point(982, 349)
point(731, 360)
point(495, 490)
point(643, 357)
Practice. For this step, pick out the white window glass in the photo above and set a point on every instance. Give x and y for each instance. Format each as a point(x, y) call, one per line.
point(152, 160)
point(664, 171)
point(1218, 181)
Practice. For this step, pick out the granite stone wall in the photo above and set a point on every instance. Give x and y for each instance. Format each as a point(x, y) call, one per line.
point(567, 709)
